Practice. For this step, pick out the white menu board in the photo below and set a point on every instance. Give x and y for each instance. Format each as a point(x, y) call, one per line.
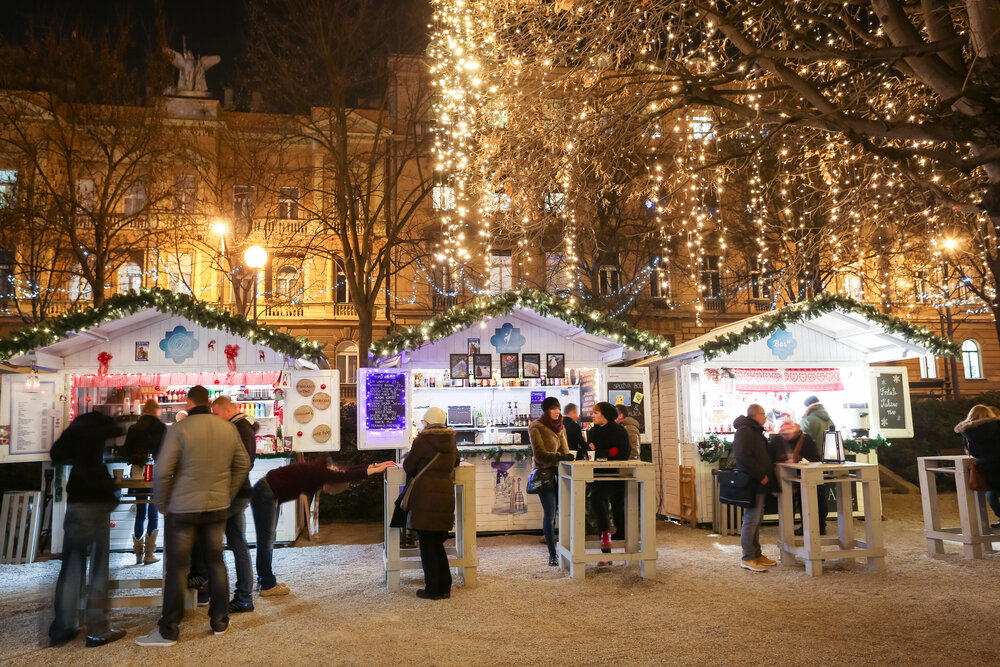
point(32, 420)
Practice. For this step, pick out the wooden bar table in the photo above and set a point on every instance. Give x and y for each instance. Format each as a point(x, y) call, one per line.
point(973, 532)
point(814, 548)
point(640, 515)
point(462, 556)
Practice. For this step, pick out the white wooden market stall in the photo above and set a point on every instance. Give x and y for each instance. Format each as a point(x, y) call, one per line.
point(827, 347)
point(156, 344)
point(529, 346)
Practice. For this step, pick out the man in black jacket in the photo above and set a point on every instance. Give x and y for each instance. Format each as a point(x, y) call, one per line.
point(750, 452)
point(574, 434)
point(91, 497)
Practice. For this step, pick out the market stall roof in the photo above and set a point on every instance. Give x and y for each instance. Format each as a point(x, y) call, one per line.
point(859, 326)
point(53, 340)
point(608, 336)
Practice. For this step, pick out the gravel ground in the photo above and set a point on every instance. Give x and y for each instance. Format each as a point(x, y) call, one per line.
point(700, 609)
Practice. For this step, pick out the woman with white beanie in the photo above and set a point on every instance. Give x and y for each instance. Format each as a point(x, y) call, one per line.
point(432, 500)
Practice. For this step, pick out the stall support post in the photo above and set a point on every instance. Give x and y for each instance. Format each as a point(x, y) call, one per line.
point(973, 531)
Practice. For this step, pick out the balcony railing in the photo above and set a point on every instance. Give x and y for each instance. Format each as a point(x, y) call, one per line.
point(281, 227)
point(759, 305)
point(715, 304)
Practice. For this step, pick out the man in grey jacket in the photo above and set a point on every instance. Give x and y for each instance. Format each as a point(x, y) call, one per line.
point(201, 467)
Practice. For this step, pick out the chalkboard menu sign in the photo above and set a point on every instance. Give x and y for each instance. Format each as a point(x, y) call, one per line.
point(385, 401)
point(890, 396)
point(588, 395)
point(630, 395)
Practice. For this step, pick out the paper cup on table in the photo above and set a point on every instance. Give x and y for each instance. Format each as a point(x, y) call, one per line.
point(590, 455)
point(119, 474)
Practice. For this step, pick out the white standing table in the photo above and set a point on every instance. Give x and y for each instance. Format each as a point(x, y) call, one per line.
point(814, 548)
point(973, 532)
point(462, 556)
point(640, 515)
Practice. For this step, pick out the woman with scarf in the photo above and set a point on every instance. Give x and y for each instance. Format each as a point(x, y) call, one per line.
point(549, 446)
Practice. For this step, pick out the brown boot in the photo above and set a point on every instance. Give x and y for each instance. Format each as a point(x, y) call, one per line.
point(151, 549)
point(137, 549)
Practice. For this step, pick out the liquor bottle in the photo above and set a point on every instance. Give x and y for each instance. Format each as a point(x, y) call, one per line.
point(147, 472)
point(519, 505)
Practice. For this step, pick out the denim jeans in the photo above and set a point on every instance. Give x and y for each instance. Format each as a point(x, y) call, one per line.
point(750, 530)
point(434, 560)
point(265, 520)
point(180, 532)
point(236, 541)
point(550, 502)
point(87, 530)
point(144, 511)
point(993, 500)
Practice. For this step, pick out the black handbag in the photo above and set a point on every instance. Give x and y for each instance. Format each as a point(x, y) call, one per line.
point(541, 480)
point(735, 488)
point(402, 507)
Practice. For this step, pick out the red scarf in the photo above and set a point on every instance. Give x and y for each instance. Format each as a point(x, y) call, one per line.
point(555, 425)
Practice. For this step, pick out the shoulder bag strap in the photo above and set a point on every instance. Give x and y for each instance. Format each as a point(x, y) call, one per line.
point(798, 446)
point(405, 503)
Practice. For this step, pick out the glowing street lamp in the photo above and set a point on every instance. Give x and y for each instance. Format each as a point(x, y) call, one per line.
point(255, 257)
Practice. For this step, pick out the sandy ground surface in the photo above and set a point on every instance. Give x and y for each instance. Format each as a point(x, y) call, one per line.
point(700, 609)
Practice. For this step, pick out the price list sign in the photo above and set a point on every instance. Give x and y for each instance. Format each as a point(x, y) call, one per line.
point(385, 401)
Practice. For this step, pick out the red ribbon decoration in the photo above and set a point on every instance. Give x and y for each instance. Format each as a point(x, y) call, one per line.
point(232, 351)
point(261, 354)
point(102, 363)
point(211, 345)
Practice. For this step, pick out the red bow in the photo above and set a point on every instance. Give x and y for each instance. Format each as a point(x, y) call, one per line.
point(102, 363)
point(232, 351)
point(211, 344)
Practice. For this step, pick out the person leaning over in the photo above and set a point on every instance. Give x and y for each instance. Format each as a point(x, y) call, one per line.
point(202, 465)
point(631, 425)
point(574, 434)
point(750, 452)
point(143, 440)
point(236, 522)
point(90, 493)
point(432, 500)
point(549, 446)
point(288, 483)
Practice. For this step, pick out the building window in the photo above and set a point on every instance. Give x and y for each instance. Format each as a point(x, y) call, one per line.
point(8, 185)
point(287, 283)
point(555, 202)
point(609, 280)
point(341, 291)
point(179, 272)
point(6, 274)
point(557, 274)
point(288, 204)
point(443, 194)
point(185, 194)
point(85, 192)
point(760, 286)
point(711, 277)
point(701, 126)
point(500, 201)
point(78, 288)
point(659, 280)
point(135, 199)
point(444, 293)
point(921, 287)
point(501, 271)
point(928, 367)
point(972, 360)
point(130, 278)
point(243, 203)
point(347, 361)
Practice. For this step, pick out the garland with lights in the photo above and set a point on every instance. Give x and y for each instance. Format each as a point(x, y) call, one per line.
point(462, 317)
point(32, 337)
point(825, 303)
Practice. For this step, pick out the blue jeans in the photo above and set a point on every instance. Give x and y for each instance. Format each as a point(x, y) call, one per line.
point(750, 530)
point(87, 530)
point(265, 520)
point(993, 500)
point(180, 531)
point(549, 502)
point(142, 512)
point(236, 541)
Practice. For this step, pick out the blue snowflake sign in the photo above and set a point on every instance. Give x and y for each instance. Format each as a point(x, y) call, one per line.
point(179, 344)
point(782, 344)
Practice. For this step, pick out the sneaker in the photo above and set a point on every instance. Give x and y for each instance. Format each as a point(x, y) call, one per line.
point(111, 635)
point(204, 598)
point(424, 595)
point(197, 582)
point(223, 630)
point(277, 589)
point(764, 560)
point(237, 607)
point(154, 638)
point(752, 565)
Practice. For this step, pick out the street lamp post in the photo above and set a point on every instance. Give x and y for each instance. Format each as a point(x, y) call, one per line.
point(255, 257)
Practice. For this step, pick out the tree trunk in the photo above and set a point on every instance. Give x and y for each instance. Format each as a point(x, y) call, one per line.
point(949, 323)
point(97, 288)
point(366, 319)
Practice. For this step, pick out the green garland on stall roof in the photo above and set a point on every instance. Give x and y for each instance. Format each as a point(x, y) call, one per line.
point(34, 336)
point(461, 317)
point(495, 453)
point(824, 303)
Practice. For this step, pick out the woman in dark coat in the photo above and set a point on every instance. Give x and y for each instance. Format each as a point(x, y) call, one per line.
point(144, 439)
point(610, 441)
point(981, 432)
point(432, 500)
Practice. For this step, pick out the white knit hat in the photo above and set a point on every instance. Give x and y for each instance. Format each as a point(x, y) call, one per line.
point(435, 416)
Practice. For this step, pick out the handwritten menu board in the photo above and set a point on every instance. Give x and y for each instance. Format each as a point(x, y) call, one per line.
point(385, 401)
point(890, 397)
point(588, 395)
point(630, 395)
